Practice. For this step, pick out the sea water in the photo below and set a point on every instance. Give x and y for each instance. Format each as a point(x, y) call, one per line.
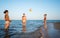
point(16, 26)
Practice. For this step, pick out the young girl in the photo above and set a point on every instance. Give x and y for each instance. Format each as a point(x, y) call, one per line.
point(7, 19)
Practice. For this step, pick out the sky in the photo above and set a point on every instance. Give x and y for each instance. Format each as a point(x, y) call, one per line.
point(16, 9)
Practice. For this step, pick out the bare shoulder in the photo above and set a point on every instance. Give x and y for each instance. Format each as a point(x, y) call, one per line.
point(24, 16)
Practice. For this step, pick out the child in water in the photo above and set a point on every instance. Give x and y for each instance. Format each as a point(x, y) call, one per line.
point(45, 26)
point(24, 22)
point(23, 19)
point(7, 19)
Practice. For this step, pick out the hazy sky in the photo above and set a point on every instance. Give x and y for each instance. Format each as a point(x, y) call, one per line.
point(39, 8)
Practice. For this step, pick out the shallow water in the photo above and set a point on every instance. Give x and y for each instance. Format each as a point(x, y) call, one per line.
point(52, 31)
point(15, 29)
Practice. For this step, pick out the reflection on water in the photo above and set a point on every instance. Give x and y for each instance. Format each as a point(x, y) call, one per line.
point(15, 30)
point(6, 34)
point(54, 30)
point(24, 29)
point(57, 26)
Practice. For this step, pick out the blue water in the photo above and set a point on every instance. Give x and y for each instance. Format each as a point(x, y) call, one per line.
point(31, 25)
point(16, 26)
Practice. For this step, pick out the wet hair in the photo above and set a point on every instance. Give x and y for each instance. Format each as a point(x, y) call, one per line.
point(5, 11)
point(45, 14)
point(23, 13)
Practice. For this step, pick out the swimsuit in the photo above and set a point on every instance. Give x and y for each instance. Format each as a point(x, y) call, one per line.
point(24, 21)
point(7, 22)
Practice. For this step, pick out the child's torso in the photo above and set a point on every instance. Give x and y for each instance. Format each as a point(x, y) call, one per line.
point(24, 19)
point(6, 18)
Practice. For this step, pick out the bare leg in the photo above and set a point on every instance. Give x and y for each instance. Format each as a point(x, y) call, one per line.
point(24, 27)
point(7, 26)
point(46, 29)
point(41, 33)
point(45, 26)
